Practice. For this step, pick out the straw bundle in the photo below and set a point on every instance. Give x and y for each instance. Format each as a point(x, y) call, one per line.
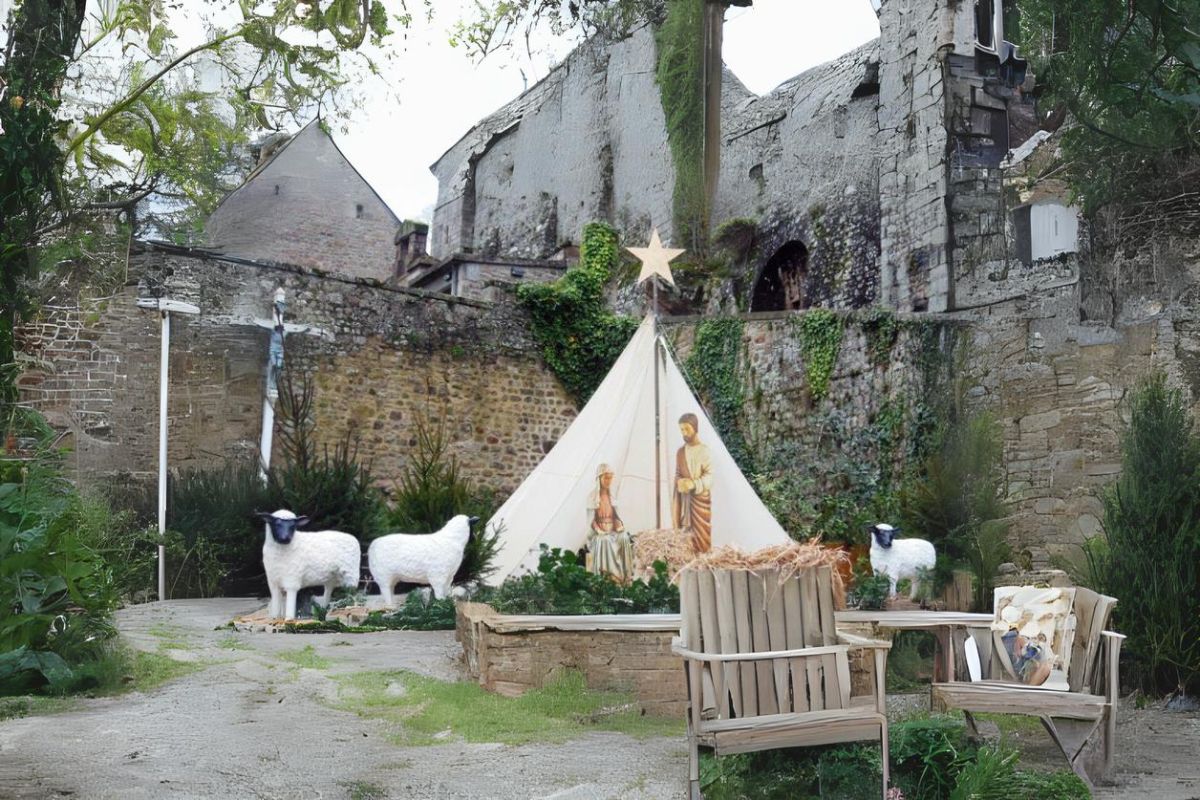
point(788, 558)
point(671, 545)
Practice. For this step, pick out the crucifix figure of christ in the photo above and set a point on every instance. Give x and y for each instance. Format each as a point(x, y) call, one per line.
point(279, 330)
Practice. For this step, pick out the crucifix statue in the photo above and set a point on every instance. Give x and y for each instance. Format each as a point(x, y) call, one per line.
point(279, 329)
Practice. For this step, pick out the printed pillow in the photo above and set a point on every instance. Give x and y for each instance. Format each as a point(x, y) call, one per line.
point(1032, 632)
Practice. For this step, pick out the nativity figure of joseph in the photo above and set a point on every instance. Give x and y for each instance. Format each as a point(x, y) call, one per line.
point(692, 504)
point(610, 548)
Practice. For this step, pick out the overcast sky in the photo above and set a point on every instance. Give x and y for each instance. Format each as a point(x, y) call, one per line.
point(441, 93)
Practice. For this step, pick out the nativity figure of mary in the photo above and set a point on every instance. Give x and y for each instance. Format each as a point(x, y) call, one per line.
point(610, 547)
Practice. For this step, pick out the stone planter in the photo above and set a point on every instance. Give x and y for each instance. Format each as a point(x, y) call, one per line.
point(631, 653)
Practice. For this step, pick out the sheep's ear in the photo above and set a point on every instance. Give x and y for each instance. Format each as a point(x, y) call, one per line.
point(301, 521)
point(263, 515)
point(472, 520)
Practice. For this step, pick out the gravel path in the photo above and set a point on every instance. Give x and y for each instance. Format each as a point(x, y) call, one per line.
point(246, 727)
point(250, 724)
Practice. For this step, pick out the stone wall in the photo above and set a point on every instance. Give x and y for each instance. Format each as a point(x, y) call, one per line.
point(396, 355)
point(308, 206)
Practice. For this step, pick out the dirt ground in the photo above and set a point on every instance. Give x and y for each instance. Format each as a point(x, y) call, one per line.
point(247, 726)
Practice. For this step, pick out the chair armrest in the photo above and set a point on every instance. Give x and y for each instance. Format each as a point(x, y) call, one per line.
point(854, 641)
point(1113, 635)
point(804, 652)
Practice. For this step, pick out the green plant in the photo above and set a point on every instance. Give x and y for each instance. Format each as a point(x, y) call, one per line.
point(331, 488)
point(993, 775)
point(213, 512)
point(712, 368)
point(927, 753)
point(868, 590)
point(56, 593)
point(1152, 519)
point(958, 503)
point(680, 75)
point(579, 337)
point(431, 490)
point(820, 341)
point(417, 615)
point(881, 329)
point(563, 585)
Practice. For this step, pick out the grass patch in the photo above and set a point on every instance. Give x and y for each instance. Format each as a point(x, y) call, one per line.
point(423, 710)
point(233, 643)
point(362, 790)
point(306, 657)
point(32, 706)
point(150, 670)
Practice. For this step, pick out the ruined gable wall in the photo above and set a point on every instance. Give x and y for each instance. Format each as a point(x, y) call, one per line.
point(587, 143)
point(801, 161)
point(301, 209)
point(396, 355)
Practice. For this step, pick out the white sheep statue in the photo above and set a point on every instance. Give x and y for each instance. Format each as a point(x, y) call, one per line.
point(295, 559)
point(899, 558)
point(430, 558)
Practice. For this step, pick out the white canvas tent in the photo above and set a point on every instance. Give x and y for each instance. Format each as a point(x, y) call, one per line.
point(617, 427)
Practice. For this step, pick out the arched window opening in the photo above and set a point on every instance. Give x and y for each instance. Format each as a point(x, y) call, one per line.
point(781, 286)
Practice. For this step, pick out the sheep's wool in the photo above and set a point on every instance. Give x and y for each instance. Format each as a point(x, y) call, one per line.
point(430, 558)
point(312, 558)
point(904, 559)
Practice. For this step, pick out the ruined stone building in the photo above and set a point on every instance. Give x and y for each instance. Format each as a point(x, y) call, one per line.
point(306, 205)
point(872, 179)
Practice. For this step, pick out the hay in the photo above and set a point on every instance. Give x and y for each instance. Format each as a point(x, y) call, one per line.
point(670, 545)
point(788, 558)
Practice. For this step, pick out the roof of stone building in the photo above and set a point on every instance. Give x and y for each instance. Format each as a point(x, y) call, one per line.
point(314, 125)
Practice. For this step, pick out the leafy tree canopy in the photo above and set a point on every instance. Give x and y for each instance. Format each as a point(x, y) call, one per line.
point(497, 26)
point(1128, 71)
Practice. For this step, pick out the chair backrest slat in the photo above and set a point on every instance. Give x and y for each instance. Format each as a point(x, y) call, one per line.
point(710, 639)
point(740, 585)
point(764, 678)
point(727, 630)
point(777, 637)
point(795, 640)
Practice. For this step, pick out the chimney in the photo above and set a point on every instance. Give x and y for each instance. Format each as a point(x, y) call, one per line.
point(410, 245)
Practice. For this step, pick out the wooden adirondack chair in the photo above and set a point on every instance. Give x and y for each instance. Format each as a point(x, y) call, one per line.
point(766, 667)
point(1082, 720)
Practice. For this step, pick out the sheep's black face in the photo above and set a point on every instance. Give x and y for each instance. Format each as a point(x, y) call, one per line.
point(884, 535)
point(282, 528)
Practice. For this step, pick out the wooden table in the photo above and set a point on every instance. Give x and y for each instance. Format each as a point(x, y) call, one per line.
point(940, 623)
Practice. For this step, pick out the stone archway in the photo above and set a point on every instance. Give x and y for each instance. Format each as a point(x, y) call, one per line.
point(781, 285)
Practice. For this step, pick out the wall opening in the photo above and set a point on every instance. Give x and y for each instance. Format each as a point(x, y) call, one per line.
point(782, 284)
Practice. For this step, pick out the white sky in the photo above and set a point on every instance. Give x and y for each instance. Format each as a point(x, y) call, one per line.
point(442, 93)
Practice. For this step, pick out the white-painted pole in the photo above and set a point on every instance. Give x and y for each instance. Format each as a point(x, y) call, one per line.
point(163, 374)
point(271, 388)
point(265, 443)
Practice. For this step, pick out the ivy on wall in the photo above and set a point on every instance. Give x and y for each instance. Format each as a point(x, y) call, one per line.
point(713, 369)
point(820, 341)
point(680, 75)
point(580, 338)
point(881, 329)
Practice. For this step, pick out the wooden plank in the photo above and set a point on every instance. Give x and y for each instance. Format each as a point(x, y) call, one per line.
point(795, 640)
point(825, 605)
point(777, 636)
point(727, 633)
point(764, 670)
point(1084, 609)
point(689, 610)
point(739, 584)
point(914, 620)
point(1008, 698)
point(711, 638)
point(512, 623)
point(842, 689)
point(1104, 607)
point(812, 638)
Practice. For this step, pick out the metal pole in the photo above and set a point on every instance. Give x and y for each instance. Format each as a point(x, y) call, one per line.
point(162, 454)
point(271, 389)
point(657, 418)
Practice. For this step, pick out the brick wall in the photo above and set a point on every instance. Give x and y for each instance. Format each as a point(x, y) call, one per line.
point(396, 354)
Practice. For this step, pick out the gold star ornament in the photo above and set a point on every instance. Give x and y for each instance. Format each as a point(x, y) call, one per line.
point(656, 259)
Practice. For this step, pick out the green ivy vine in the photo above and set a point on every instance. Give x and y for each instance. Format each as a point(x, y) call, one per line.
point(580, 338)
point(713, 369)
point(680, 75)
point(881, 329)
point(820, 342)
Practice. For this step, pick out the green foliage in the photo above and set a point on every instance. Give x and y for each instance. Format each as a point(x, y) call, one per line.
point(331, 488)
point(563, 585)
point(910, 662)
point(417, 615)
point(958, 503)
point(213, 512)
point(1129, 73)
point(993, 776)
point(881, 328)
point(431, 490)
point(421, 709)
point(869, 591)
point(580, 338)
point(680, 74)
point(820, 333)
point(712, 369)
point(56, 593)
point(493, 27)
point(1152, 563)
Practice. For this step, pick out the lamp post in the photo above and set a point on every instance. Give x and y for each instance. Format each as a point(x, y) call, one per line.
point(164, 307)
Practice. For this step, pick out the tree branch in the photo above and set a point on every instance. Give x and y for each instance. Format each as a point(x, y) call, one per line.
point(142, 88)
